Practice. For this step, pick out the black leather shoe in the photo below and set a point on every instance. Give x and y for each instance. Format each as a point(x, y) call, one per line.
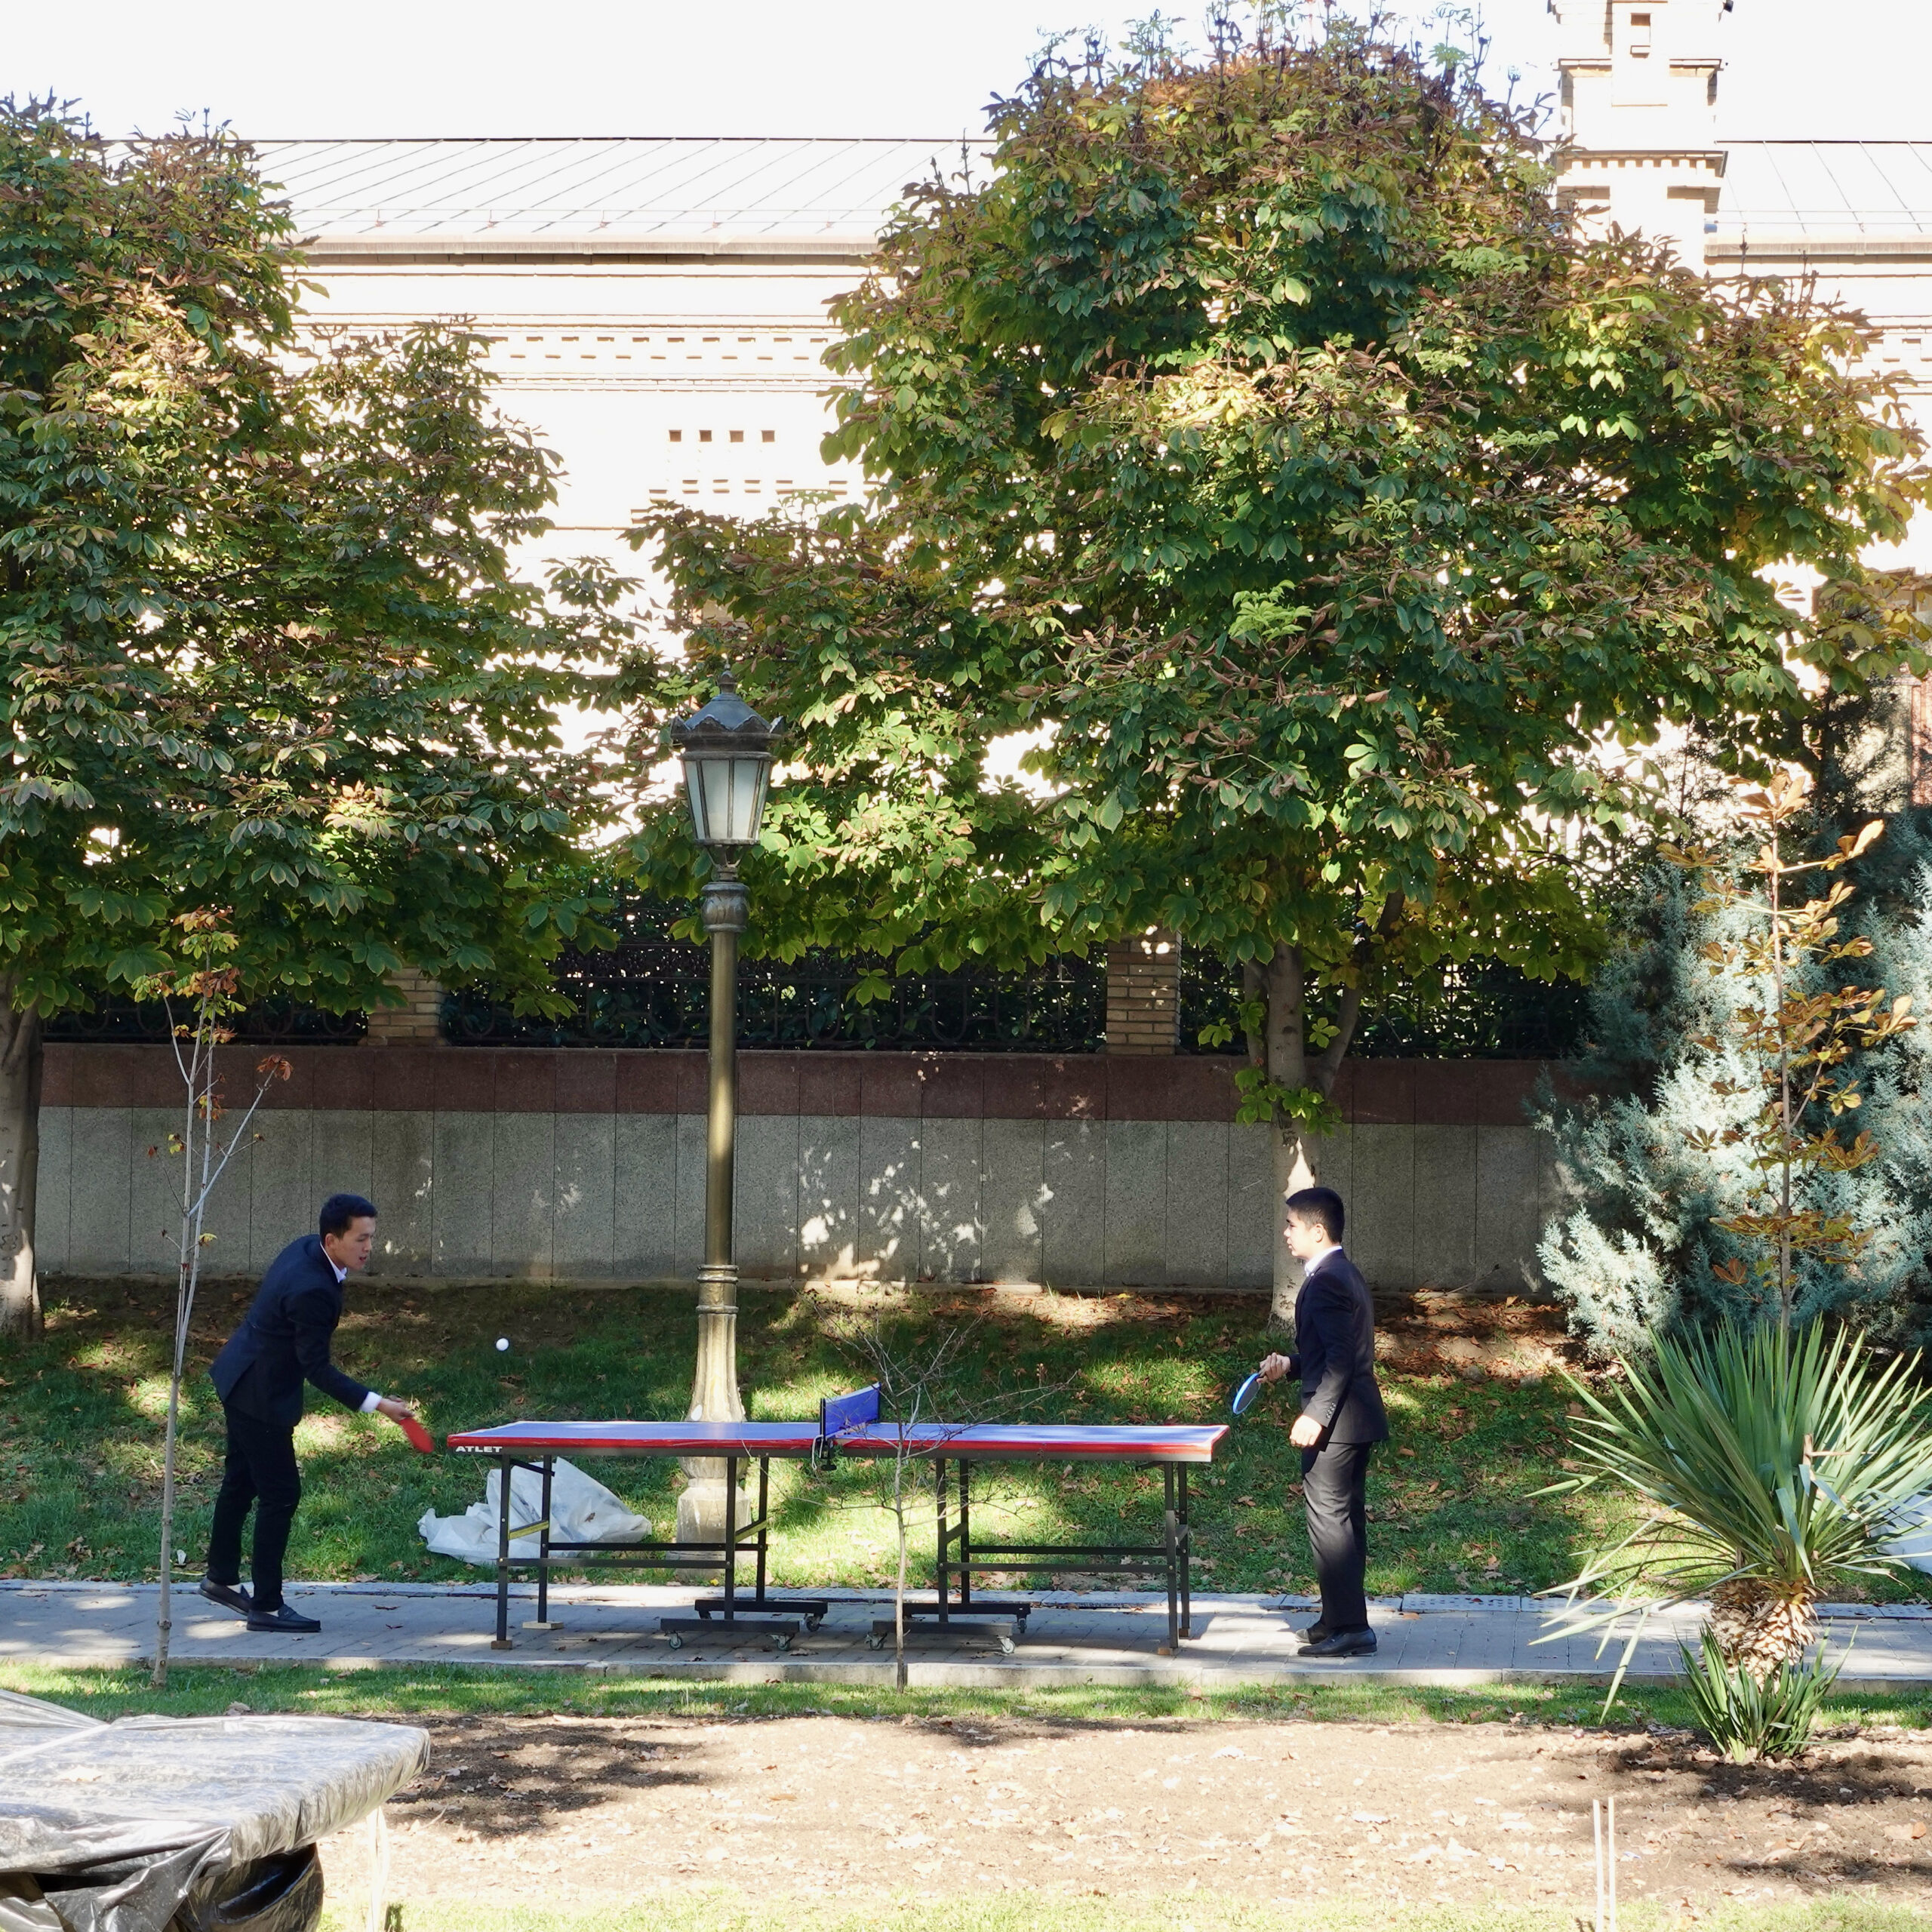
point(289, 1623)
point(1317, 1632)
point(1343, 1644)
point(230, 1596)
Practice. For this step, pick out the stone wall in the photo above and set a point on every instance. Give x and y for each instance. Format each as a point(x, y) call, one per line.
point(590, 1165)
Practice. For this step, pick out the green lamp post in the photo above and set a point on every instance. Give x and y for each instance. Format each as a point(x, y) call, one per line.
point(726, 748)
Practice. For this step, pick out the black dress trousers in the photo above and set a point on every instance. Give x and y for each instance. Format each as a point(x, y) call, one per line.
point(260, 1469)
point(1334, 1488)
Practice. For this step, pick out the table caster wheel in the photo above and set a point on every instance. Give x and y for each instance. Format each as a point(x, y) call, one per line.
point(676, 1642)
point(813, 1622)
point(1006, 1646)
point(875, 1643)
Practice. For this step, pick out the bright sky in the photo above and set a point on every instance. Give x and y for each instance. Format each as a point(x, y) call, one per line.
point(1827, 68)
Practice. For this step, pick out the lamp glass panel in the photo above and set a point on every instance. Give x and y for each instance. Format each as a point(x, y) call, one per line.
point(694, 799)
point(716, 780)
point(747, 797)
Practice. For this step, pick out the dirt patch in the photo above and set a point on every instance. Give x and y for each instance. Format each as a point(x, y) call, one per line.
point(547, 1808)
point(1477, 1337)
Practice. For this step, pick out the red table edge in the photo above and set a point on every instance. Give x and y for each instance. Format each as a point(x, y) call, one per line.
point(1090, 1446)
point(796, 1442)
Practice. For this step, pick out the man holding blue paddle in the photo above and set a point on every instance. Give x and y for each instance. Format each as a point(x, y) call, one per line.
point(1341, 1420)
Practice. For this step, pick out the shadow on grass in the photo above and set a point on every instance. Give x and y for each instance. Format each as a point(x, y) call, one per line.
point(80, 1413)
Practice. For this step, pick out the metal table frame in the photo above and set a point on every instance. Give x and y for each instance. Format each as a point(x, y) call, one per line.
point(1170, 1558)
point(847, 1426)
point(761, 1615)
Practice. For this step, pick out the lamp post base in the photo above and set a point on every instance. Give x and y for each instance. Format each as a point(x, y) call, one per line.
point(701, 1517)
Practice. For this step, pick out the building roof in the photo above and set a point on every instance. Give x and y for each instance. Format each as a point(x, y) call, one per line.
point(1868, 192)
point(594, 195)
point(548, 196)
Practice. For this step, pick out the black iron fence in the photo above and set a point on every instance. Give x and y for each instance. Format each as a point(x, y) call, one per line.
point(652, 990)
point(1480, 1011)
point(276, 1023)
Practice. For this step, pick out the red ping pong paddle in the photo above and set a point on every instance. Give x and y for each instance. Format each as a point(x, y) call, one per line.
point(418, 1435)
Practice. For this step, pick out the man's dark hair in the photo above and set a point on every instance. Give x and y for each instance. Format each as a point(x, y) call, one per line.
point(1321, 1205)
point(338, 1210)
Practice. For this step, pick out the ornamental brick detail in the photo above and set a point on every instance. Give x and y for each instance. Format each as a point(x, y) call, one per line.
point(1143, 993)
point(418, 1022)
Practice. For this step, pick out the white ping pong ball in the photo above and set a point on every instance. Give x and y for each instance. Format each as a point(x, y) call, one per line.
point(502, 1341)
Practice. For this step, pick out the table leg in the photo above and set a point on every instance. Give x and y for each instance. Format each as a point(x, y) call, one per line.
point(965, 1534)
point(943, 1571)
point(731, 1537)
point(764, 1518)
point(1187, 1557)
point(1170, 1535)
point(544, 1544)
point(503, 1637)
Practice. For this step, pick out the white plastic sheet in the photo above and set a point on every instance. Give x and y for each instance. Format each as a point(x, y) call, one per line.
point(582, 1510)
point(1914, 1542)
point(138, 1815)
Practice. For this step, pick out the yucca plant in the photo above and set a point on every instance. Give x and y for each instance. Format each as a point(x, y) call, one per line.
point(1773, 1464)
point(1747, 1718)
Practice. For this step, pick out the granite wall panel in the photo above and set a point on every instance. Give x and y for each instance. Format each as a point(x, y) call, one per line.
point(1013, 1197)
point(952, 1227)
point(644, 1213)
point(1017, 1167)
point(53, 1187)
point(1073, 1212)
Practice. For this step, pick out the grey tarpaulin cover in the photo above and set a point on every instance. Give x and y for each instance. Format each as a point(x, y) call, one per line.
point(145, 1810)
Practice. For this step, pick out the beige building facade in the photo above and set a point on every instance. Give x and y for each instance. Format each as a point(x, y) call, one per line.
point(655, 309)
point(1642, 115)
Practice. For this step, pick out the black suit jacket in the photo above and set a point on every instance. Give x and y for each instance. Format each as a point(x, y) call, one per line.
point(283, 1340)
point(1335, 1352)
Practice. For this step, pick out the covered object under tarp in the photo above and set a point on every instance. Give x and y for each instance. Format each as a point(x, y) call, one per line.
point(150, 1822)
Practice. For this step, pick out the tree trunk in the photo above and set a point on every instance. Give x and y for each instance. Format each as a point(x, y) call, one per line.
point(19, 1163)
point(1281, 1050)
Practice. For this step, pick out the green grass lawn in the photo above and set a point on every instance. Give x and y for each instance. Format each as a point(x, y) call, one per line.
point(81, 1412)
point(404, 1691)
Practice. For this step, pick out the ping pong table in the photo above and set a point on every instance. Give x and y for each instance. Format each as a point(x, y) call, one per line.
point(850, 1426)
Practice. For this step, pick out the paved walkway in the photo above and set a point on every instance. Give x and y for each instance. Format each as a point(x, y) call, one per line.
point(1070, 1639)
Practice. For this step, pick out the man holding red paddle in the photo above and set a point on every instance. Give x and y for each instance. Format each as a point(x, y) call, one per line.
point(284, 1341)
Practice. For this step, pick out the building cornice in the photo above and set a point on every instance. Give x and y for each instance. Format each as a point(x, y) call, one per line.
point(328, 251)
point(1714, 159)
point(1824, 248)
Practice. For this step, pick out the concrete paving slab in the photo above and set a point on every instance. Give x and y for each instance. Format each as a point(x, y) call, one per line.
point(1113, 1637)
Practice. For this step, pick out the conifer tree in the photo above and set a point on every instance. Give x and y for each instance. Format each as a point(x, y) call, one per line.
point(1641, 1248)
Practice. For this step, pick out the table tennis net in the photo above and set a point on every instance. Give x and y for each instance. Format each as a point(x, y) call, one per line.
point(837, 1413)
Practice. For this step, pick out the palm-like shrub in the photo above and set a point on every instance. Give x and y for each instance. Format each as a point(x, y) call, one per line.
point(1746, 1717)
point(1773, 1464)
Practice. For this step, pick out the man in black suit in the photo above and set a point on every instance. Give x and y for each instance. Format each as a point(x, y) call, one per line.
point(283, 1341)
point(1341, 1420)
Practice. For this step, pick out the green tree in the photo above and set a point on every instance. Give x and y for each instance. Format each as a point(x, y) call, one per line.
point(262, 649)
point(1675, 1162)
point(1258, 435)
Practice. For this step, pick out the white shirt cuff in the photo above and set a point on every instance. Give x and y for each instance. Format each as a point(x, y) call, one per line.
point(369, 1402)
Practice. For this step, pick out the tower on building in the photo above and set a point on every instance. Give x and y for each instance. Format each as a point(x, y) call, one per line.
point(1639, 107)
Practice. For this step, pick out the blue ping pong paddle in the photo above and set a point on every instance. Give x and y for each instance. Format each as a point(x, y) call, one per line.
point(1245, 1395)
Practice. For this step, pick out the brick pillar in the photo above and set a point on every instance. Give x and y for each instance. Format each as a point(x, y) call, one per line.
point(1143, 993)
point(417, 1023)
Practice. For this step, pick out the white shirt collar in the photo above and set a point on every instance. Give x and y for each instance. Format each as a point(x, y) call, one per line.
point(341, 1274)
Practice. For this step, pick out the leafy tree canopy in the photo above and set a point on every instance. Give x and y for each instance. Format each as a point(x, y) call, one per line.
point(262, 646)
point(1259, 433)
